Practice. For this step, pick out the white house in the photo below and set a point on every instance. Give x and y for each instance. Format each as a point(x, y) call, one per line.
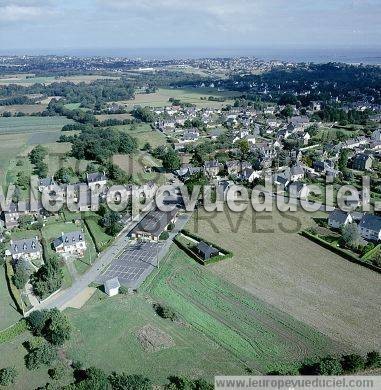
point(338, 218)
point(27, 248)
point(111, 287)
point(72, 243)
point(370, 227)
point(96, 181)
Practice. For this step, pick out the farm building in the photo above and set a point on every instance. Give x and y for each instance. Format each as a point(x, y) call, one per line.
point(111, 287)
point(206, 251)
point(153, 224)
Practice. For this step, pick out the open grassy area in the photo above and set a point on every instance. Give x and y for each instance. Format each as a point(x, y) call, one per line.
point(144, 133)
point(189, 95)
point(105, 335)
point(97, 232)
point(314, 285)
point(32, 124)
point(256, 333)
point(27, 79)
point(25, 108)
point(8, 312)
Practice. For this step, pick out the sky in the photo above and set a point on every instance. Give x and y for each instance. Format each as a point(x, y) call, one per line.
point(37, 25)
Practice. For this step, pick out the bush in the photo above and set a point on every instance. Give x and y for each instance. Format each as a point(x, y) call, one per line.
point(165, 311)
point(13, 331)
point(45, 354)
point(352, 363)
point(57, 372)
point(330, 366)
point(373, 360)
point(8, 376)
point(164, 236)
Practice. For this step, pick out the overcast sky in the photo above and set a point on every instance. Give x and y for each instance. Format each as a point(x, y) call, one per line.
point(92, 24)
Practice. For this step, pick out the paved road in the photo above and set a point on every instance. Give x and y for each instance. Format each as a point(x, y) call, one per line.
point(104, 260)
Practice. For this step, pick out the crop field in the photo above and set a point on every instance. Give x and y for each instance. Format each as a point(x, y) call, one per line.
point(114, 346)
point(272, 262)
point(261, 336)
point(27, 79)
point(32, 124)
point(25, 108)
point(191, 95)
point(104, 117)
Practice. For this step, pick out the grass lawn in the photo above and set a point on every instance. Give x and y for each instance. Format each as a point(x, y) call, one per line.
point(253, 331)
point(105, 336)
point(100, 237)
point(189, 95)
point(274, 263)
point(8, 313)
point(144, 133)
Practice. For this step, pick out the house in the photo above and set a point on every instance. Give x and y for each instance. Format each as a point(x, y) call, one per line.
point(154, 224)
point(112, 287)
point(338, 218)
point(281, 180)
point(47, 182)
point(362, 162)
point(206, 251)
point(370, 227)
point(72, 243)
point(187, 170)
point(376, 135)
point(212, 168)
point(296, 173)
point(299, 190)
point(96, 181)
point(248, 174)
point(27, 248)
point(190, 135)
point(15, 211)
point(233, 167)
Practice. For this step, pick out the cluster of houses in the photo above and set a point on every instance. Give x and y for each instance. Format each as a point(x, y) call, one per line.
point(369, 225)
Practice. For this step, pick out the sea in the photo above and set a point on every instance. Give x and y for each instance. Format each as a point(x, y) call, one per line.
point(349, 55)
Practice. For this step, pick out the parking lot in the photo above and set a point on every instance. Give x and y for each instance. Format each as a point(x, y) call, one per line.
point(133, 266)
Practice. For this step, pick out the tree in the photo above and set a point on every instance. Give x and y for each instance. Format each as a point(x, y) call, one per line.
point(37, 154)
point(51, 324)
point(373, 360)
point(165, 311)
point(129, 382)
point(287, 112)
point(25, 221)
point(40, 169)
point(353, 363)
point(244, 148)
point(47, 279)
point(58, 371)
point(171, 160)
point(45, 354)
point(350, 235)
point(94, 379)
point(8, 376)
point(111, 222)
point(21, 275)
point(343, 160)
point(164, 235)
point(144, 114)
point(22, 180)
point(330, 366)
point(57, 328)
point(64, 175)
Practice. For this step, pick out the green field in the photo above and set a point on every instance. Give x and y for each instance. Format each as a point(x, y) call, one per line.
point(8, 313)
point(144, 133)
point(105, 336)
point(100, 237)
point(258, 334)
point(189, 95)
point(32, 124)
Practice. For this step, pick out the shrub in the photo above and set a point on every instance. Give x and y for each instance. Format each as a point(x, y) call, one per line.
point(353, 363)
point(330, 366)
point(45, 354)
point(57, 372)
point(164, 236)
point(165, 311)
point(8, 376)
point(373, 360)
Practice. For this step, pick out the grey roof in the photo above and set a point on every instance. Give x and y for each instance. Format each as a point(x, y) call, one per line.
point(206, 249)
point(155, 222)
point(297, 170)
point(95, 177)
point(46, 182)
point(371, 222)
point(112, 283)
point(69, 239)
point(26, 245)
point(247, 172)
point(211, 164)
point(338, 216)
